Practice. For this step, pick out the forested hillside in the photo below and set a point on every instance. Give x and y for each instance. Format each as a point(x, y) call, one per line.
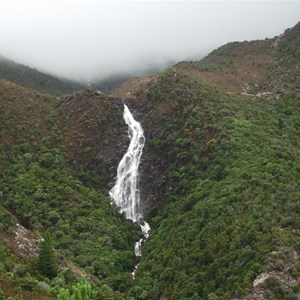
point(224, 208)
point(32, 78)
point(227, 207)
point(41, 193)
point(250, 68)
point(219, 183)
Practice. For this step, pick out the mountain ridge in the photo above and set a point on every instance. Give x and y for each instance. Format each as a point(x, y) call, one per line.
point(32, 78)
point(240, 67)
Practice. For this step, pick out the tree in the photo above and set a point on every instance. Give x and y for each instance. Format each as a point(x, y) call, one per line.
point(3, 254)
point(106, 292)
point(46, 262)
point(213, 297)
point(80, 291)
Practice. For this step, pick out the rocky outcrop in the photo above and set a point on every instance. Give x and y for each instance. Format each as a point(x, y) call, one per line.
point(281, 276)
point(27, 242)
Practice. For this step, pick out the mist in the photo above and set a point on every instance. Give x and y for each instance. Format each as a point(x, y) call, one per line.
point(84, 40)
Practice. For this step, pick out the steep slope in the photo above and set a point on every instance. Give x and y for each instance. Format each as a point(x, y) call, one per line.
point(220, 174)
point(32, 78)
point(40, 192)
point(251, 67)
point(94, 135)
point(285, 72)
point(235, 67)
point(221, 180)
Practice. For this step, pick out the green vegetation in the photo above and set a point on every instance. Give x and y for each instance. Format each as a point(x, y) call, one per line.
point(1, 295)
point(84, 291)
point(80, 291)
point(31, 78)
point(85, 228)
point(221, 177)
point(234, 168)
point(46, 263)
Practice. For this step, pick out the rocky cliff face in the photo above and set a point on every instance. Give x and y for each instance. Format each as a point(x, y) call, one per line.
point(95, 134)
point(96, 137)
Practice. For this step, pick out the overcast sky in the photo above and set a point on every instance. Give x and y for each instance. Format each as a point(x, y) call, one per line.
point(83, 39)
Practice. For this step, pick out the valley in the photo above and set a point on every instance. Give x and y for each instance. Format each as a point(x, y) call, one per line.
point(218, 182)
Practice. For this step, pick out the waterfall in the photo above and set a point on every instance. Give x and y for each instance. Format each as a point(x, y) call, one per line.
point(125, 192)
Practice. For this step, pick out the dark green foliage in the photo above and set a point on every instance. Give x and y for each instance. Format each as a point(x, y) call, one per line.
point(234, 197)
point(2, 297)
point(28, 282)
point(47, 263)
point(106, 293)
point(85, 227)
point(277, 290)
point(3, 254)
point(7, 220)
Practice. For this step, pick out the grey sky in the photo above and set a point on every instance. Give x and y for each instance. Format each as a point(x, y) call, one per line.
point(82, 39)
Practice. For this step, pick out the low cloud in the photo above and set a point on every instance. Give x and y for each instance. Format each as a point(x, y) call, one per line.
point(86, 39)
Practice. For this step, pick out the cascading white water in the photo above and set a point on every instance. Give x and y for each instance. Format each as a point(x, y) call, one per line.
point(138, 245)
point(125, 192)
